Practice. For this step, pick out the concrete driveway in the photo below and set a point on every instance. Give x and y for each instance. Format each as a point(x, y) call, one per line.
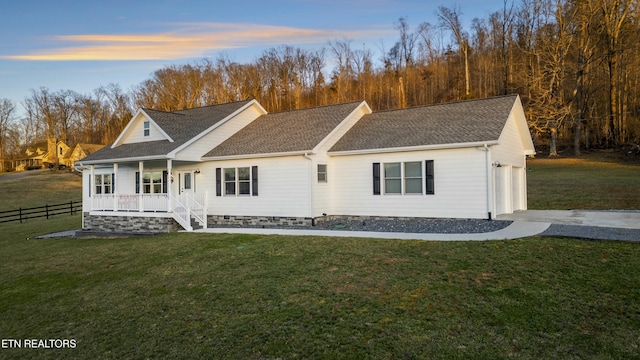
point(21, 174)
point(611, 219)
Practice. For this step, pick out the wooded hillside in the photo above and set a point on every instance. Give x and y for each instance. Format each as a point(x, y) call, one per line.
point(574, 63)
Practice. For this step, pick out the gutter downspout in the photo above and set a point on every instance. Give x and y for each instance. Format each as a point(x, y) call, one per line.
point(486, 160)
point(313, 221)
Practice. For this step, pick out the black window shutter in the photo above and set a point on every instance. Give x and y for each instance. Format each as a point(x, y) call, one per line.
point(376, 178)
point(90, 185)
point(113, 183)
point(254, 180)
point(137, 182)
point(429, 178)
point(164, 181)
point(218, 182)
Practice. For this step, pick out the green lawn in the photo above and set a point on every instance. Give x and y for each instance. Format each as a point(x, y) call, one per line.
point(254, 297)
point(186, 295)
point(39, 189)
point(585, 183)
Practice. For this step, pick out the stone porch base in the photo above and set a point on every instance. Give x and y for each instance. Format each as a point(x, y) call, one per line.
point(135, 223)
point(234, 220)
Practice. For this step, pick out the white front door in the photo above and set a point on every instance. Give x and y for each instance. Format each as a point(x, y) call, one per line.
point(186, 182)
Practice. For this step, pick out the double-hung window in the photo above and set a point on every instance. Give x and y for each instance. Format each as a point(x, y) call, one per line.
point(230, 181)
point(104, 183)
point(237, 181)
point(409, 177)
point(413, 177)
point(244, 181)
point(322, 173)
point(146, 128)
point(393, 178)
point(153, 182)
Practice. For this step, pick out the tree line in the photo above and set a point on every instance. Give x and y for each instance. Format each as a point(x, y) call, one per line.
point(574, 63)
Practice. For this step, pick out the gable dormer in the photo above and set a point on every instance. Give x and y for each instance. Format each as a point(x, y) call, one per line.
point(141, 128)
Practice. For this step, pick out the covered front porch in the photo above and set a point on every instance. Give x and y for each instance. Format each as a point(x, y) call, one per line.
point(154, 188)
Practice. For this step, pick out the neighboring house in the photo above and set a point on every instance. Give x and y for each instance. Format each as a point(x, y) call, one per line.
point(235, 163)
point(63, 151)
point(52, 153)
point(40, 155)
point(81, 151)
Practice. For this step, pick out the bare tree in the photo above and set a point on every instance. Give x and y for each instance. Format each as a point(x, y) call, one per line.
point(450, 19)
point(7, 116)
point(343, 73)
point(614, 16)
point(584, 57)
point(43, 109)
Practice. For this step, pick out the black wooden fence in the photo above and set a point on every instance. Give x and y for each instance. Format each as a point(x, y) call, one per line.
point(22, 214)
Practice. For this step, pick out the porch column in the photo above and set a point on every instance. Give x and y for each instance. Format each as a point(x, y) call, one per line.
point(169, 177)
point(113, 187)
point(141, 189)
point(91, 180)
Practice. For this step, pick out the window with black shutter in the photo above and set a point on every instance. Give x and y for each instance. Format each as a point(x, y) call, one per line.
point(376, 178)
point(218, 181)
point(254, 180)
point(429, 178)
point(164, 181)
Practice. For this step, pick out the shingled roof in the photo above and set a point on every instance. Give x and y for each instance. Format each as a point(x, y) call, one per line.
point(283, 132)
point(451, 123)
point(181, 126)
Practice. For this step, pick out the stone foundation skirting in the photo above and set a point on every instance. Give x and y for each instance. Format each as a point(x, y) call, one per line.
point(129, 223)
point(253, 221)
point(266, 221)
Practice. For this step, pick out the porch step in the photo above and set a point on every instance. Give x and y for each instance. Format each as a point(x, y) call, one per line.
point(195, 224)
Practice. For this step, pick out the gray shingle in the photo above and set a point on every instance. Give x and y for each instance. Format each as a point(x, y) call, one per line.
point(302, 130)
point(450, 123)
point(181, 126)
point(289, 131)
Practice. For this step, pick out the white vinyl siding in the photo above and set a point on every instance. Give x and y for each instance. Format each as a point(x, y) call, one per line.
point(509, 151)
point(460, 178)
point(139, 133)
point(509, 180)
point(284, 188)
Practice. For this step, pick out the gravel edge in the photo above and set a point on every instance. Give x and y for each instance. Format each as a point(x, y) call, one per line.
point(418, 226)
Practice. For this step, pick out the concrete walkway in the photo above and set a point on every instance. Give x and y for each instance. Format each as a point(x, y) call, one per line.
point(525, 224)
point(611, 219)
point(517, 229)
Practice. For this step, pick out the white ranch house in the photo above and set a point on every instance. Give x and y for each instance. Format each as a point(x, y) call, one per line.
point(235, 163)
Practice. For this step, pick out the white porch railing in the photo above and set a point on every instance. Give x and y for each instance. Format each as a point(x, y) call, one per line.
point(130, 202)
point(183, 208)
point(181, 214)
point(196, 203)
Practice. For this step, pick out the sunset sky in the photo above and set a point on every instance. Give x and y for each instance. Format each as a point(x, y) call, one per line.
point(80, 45)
